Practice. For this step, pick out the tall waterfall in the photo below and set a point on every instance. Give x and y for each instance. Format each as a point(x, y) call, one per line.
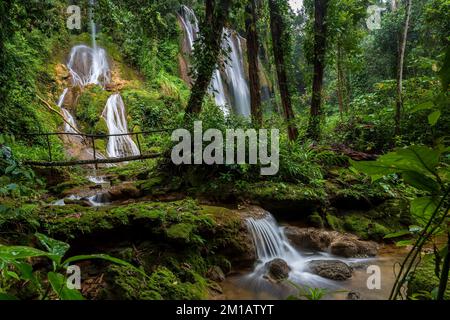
point(88, 66)
point(234, 69)
point(234, 75)
point(114, 114)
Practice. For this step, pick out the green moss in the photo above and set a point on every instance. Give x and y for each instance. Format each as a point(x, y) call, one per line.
point(180, 231)
point(316, 220)
point(424, 278)
point(334, 222)
point(90, 106)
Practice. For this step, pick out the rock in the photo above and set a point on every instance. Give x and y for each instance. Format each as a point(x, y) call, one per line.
point(215, 274)
point(277, 269)
point(80, 202)
point(339, 244)
point(330, 269)
point(350, 247)
point(353, 295)
point(124, 191)
point(308, 238)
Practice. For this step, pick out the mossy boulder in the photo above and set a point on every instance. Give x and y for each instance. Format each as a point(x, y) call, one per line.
point(424, 279)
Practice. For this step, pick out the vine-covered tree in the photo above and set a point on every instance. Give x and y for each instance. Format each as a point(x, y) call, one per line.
point(251, 19)
point(320, 42)
point(207, 50)
point(280, 41)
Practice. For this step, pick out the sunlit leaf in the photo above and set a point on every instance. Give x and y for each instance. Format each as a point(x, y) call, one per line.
point(56, 248)
point(434, 117)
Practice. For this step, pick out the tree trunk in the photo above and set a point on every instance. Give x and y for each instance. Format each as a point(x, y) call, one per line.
point(401, 57)
point(208, 51)
point(393, 5)
point(340, 87)
point(320, 29)
point(252, 56)
point(278, 29)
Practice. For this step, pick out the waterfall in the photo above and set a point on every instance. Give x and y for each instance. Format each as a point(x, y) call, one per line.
point(114, 115)
point(269, 239)
point(234, 69)
point(234, 75)
point(88, 66)
point(67, 115)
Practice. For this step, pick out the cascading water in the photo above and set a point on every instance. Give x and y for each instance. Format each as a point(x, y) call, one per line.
point(67, 115)
point(234, 70)
point(114, 115)
point(271, 243)
point(88, 66)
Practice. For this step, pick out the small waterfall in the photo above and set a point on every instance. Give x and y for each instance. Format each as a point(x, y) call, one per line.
point(67, 115)
point(190, 26)
point(269, 239)
point(234, 69)
point(114, 115)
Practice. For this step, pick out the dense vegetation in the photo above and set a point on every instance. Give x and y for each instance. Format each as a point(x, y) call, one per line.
point(363, 116)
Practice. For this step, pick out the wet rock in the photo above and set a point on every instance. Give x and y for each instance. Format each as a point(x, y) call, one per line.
point(308, 238)
point(215, 274)
point(339, 244)
point(350, 247)
point(353, 295)
point(330, 269)
point(80, 202)
point(277, 270)
point(124, 191)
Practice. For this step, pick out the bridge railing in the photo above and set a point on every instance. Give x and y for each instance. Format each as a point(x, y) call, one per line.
point(92, 137)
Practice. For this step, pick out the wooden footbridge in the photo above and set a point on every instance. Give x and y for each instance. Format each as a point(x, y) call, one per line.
point(89, 141)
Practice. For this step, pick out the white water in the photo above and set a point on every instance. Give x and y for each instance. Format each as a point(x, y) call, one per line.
point(234, 77)
point(234, 69)
point(114, 115)
point(67, 115)
point(88, 66)
point(271, 242)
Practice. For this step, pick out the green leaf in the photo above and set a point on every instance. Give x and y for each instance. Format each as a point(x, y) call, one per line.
point(404, 243)
point(100, 256)
point(397, 234)
point(56, 248)
point(11, 253)
point(58, 283)
point(12, 274)
point(414, 158)
point(434, 117)
point(423, 207)
point(420, 181)
point(423, 106)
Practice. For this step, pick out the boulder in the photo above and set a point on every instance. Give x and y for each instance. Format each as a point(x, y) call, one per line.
point(308, 238)
point(353, 295)
point(344, 245)
point(277, 270)
point(330, 269)
point(124, 191)
point(215, 274)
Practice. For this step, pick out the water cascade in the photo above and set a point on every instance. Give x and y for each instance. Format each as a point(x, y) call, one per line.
point(234, 75)
point(270, 243)
point(114, 115)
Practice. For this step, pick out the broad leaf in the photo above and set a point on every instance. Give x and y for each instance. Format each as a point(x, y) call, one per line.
point(58, 283)
point(420, 181)
point(422, 208)
point(56, 248)
point(102, 257)
point(11, 253)
point(434, 117)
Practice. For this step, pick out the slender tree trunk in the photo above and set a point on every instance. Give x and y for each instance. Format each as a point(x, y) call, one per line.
point(444, 274)
point(277, 28)
point(252, 55)
point(393, 5)
point(216, 15)
point(401, 58)
point(340, 87)
point(320, 30)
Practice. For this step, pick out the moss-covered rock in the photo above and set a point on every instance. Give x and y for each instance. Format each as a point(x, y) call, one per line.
point(424, 279)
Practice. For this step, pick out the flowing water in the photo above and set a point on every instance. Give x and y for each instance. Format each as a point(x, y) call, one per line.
point(237, 93)
point(114, 115)
point(271, 242)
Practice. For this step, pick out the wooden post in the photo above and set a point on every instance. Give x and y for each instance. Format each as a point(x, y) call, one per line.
point(95, 152)
point(49, 148)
